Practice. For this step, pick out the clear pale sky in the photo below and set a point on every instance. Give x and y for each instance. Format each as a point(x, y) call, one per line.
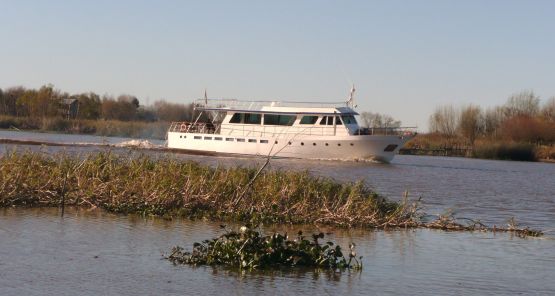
point(404, 57)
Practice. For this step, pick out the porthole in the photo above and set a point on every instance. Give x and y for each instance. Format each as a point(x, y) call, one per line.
point(352, 144)
point(313, 144)
point(289, 143)
point(327, 144)
point(302, 144)
point(276, 142)
point(180, 137)
point(338, 144)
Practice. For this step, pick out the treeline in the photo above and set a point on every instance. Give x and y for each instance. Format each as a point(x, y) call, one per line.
point(48, 102)
point(522, 119)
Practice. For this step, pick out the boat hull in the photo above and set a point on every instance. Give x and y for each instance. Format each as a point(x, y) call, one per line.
point(372, 147)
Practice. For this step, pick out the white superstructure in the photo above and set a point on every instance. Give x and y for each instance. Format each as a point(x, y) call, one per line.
point(286, 129)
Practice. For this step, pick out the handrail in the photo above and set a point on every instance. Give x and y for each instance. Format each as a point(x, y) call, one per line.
point(265, 130)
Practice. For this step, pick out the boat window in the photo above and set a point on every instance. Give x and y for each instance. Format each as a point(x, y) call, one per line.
point(229, 139)
point(309, 119)
point(272, 119)
point(264, 141)
point(338, 120)
point(240, 140)
point(327, 120)
point(208, 138)
point(236, 118)
point(246, 118)
point(218, 138)
point(390, 148)
point(198, 137)
point(348, 119)
point(252, 118)
point(252, 140)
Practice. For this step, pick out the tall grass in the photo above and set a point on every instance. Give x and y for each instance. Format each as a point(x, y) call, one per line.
point(506, 151)
point(166, 186)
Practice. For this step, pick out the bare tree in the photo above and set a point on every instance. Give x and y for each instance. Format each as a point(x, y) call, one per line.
point(377, 120)
point(493, 118)
point(548, 110)
point(471, 122)
point(444, 120)
point(524, 103)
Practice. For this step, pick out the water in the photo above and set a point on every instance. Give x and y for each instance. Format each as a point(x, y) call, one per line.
point(93, 252)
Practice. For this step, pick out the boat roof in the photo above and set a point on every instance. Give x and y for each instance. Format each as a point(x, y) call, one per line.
point(274, 107)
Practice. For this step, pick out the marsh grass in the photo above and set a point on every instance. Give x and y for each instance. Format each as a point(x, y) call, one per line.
point(164, 186)
point(506, 151)
point(168, 187)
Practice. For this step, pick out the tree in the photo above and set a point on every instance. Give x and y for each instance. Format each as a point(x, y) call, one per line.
point(444, 120)
point(124, 108)
point(548, 110)
point(89, 105)
point(377, 120)
point(8, 104)
point(524, 103)
point(493, 118)
point(173, 112)
point(470, 123)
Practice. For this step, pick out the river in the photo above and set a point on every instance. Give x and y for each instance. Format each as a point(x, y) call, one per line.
point(91, 252)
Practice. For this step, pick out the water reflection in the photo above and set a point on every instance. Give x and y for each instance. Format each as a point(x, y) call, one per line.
point(41, 253)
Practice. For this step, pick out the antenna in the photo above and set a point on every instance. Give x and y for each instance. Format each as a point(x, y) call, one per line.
point(351, 101)
point(205, 98)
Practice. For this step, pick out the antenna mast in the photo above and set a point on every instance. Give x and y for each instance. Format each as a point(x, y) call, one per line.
point(351, 101)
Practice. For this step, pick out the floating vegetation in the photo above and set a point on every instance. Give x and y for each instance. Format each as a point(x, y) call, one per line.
point(451, 223)
point(167, 187)
point(247, 249)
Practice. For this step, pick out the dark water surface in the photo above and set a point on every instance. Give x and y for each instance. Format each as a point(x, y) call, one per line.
point(96, 253)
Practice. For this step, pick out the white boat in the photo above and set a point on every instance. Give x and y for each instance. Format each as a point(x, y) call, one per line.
point(286, 129)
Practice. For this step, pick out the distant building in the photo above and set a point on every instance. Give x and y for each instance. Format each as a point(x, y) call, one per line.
point(70, 108)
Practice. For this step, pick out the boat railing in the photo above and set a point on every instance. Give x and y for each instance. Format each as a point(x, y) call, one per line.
point(251, 130)
point(386, 131)
point(258, 105)
point(189, 127)
point(247, 130)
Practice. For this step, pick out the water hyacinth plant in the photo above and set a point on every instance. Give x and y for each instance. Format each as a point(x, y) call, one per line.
point(248, 249)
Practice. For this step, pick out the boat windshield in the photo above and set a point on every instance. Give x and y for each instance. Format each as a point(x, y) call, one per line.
point(349, 119)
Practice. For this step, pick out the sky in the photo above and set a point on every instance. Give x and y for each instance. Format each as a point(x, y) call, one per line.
point(405, 58)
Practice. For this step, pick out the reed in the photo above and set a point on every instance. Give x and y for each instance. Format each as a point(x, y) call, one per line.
point(168, 187)
point(506, 151)
point(164, 186)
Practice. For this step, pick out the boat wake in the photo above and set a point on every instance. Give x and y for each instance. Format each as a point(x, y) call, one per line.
point(144, 144)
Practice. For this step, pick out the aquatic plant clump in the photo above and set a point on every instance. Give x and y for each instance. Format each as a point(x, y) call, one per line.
point(165, 186)
point(248, 249)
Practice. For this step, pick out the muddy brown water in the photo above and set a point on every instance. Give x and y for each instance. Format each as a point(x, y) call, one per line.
point(98, 253)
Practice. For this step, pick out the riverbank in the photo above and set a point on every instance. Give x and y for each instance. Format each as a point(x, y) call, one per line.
point(107, 128)
point(437, 145)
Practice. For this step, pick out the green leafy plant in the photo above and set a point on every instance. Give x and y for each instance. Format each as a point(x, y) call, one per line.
point(249, 249)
